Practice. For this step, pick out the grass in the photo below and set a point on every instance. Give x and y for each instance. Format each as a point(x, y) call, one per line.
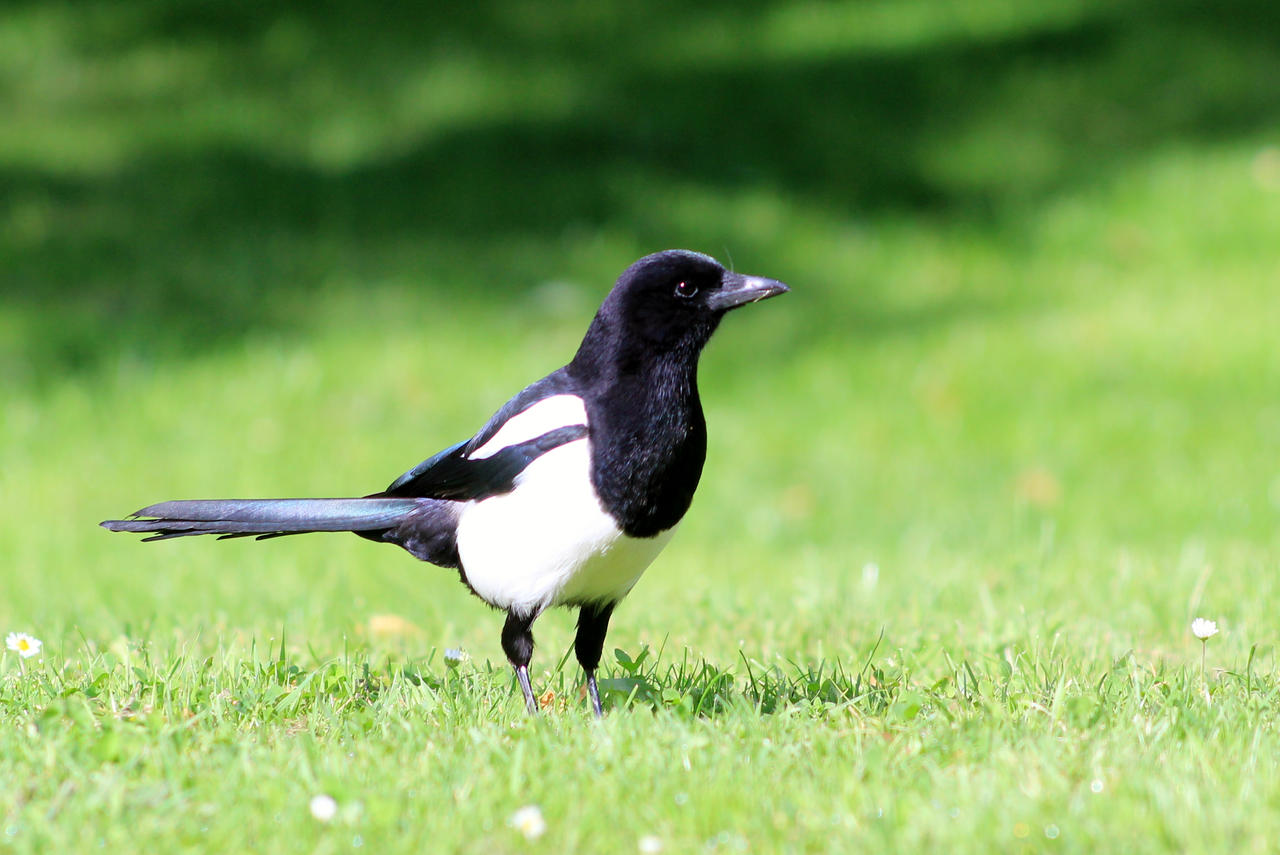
point(968, 484)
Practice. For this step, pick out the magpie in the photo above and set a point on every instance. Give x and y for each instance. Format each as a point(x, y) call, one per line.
point(570, 490)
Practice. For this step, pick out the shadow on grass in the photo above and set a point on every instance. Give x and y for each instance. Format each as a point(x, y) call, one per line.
point(702, 689)
point(207, 233)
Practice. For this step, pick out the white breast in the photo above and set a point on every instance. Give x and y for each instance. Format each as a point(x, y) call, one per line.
point(548, 541)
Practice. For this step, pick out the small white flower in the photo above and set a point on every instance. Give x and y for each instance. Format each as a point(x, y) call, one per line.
point(650, 844)
point(324, 807)
point(23, 644)
point(529, 822)
point(1204, 629)
point(454, 655)
point(870, 574)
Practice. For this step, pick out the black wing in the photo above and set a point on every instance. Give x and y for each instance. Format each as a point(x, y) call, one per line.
point(556, 383)
point(451, 475)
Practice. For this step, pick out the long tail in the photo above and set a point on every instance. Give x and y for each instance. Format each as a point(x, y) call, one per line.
point(263, 518)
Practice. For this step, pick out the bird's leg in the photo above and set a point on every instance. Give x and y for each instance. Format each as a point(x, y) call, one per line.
point(593, 623)
point(517, 643)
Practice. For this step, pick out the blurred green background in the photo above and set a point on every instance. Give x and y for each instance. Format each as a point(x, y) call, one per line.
point(1029, 366)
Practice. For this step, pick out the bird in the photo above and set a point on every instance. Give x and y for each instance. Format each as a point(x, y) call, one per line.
point(567, 493)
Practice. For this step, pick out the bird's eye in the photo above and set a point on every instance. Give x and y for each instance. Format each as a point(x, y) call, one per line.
point(686, 289)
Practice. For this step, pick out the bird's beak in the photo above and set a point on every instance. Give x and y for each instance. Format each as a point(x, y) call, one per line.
point(738, 290)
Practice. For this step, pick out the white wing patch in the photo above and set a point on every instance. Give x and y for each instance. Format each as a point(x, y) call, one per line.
point(543, 417)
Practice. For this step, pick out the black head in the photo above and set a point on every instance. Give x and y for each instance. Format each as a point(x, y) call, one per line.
point(672, 301)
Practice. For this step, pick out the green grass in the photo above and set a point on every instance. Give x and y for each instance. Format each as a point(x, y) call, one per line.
point(968, 484)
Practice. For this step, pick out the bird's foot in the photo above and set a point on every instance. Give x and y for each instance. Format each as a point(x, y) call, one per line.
point(593, 692)
point(530, 702)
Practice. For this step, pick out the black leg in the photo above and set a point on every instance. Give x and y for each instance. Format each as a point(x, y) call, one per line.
point(593, 623)
point(517, 643)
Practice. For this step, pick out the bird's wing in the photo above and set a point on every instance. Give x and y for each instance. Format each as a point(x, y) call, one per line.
point(454, 476)
point(531, 400)
point(545, 415)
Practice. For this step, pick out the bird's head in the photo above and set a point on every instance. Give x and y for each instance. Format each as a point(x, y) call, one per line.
point(672, 301)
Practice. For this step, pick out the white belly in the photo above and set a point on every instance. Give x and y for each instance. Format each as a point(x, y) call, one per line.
point(548, 542)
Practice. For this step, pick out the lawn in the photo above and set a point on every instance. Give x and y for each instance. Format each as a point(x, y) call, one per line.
point(1016, 425)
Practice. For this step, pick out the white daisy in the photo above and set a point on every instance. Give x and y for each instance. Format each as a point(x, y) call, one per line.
point(1204, 629)
point(23, 644)
point(324, 807)
point(650, 844)
point(529, 822)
